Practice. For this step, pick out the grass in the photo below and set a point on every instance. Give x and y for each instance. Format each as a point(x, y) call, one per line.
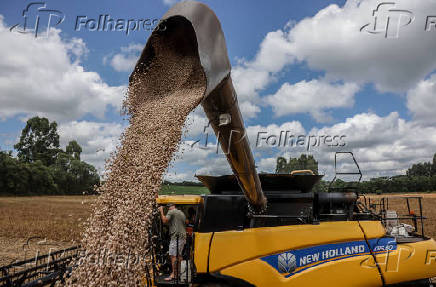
point(181, 189)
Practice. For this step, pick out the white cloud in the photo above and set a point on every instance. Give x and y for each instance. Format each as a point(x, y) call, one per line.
point(248, 109)
point(421, 100)
point(216, 166)
point(193, 154)
point(98, 140)
point(251, 77)
point(196, 123)
point(170, 2)
point(43, 76)
point(267, 165)
point(382, 145)
point(125, 60)
point(274, 54)
point(331, 41)
point(312, 97)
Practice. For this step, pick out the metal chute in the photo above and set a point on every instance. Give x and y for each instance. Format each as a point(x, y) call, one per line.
point(191, 27)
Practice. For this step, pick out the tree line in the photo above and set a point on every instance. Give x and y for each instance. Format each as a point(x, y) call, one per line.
point(420, 177)
point(42, 167)
point(182, 183)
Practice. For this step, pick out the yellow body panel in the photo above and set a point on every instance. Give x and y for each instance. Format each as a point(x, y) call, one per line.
point(241, 254)
point(232, 247)
point(344, 274)
point(201, 252)
point(373, 229)
point(179, 199)
point(411, 261)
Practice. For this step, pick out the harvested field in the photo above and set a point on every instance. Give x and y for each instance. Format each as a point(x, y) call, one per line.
point(40, 223)
point(53, 217)
point(428, 204)
point(57, 219)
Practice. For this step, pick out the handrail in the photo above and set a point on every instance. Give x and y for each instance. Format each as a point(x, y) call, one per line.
point(302, 171)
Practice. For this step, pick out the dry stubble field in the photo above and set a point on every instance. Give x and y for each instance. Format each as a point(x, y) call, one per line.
point(28, 224)
point(396, 202)
point(55, 222)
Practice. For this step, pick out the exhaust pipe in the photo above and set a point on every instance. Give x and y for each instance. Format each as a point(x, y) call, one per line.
point(191, 27)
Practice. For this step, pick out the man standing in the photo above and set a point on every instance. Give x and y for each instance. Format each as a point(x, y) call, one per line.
point(176, 221)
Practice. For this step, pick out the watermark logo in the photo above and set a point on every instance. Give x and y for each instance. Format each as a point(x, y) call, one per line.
point(389, 259)
point(430, 23)
point(430, 257)
point(34, 247)
point(388, 20)
point(37, 18)
point(107, 23)
point(233, 136)
point(288, 139)
point(283, 139)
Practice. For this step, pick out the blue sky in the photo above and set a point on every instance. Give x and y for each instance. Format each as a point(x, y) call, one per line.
point(298, 66)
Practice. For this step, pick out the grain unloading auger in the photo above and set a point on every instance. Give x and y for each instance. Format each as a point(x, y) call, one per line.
point(193, 29)
point(301, 237)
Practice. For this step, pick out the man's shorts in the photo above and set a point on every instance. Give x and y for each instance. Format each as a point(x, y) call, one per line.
point(173, 246)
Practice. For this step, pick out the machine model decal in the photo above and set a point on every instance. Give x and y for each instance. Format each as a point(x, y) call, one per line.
point(294, 261)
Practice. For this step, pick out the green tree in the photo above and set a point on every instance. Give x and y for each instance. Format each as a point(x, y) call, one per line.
point(74, 176)
point(74, 149)
point(311, 164)
point(42, 167)
point(13, 175)
point(282, 165)
point(420, 169)
point(433, 165)
point(39, 141)
point(303, 162)
point(40, 179)
point(19, 178)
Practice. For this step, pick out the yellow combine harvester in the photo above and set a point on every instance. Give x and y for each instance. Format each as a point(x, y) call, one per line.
point(293, 243)
point(271, 229)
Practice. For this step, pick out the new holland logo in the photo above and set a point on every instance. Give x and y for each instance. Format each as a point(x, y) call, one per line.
point(286, 262)
point(294, 261)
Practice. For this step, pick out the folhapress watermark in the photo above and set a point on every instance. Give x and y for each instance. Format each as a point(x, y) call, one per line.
point(282, 139)
point(388, 20)
point(107, 258)
point(430, 257)
point(38, 19)
point(106, 23)
point(288, 139)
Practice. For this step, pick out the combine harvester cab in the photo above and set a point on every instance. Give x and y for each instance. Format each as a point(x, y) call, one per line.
point(299, 237)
